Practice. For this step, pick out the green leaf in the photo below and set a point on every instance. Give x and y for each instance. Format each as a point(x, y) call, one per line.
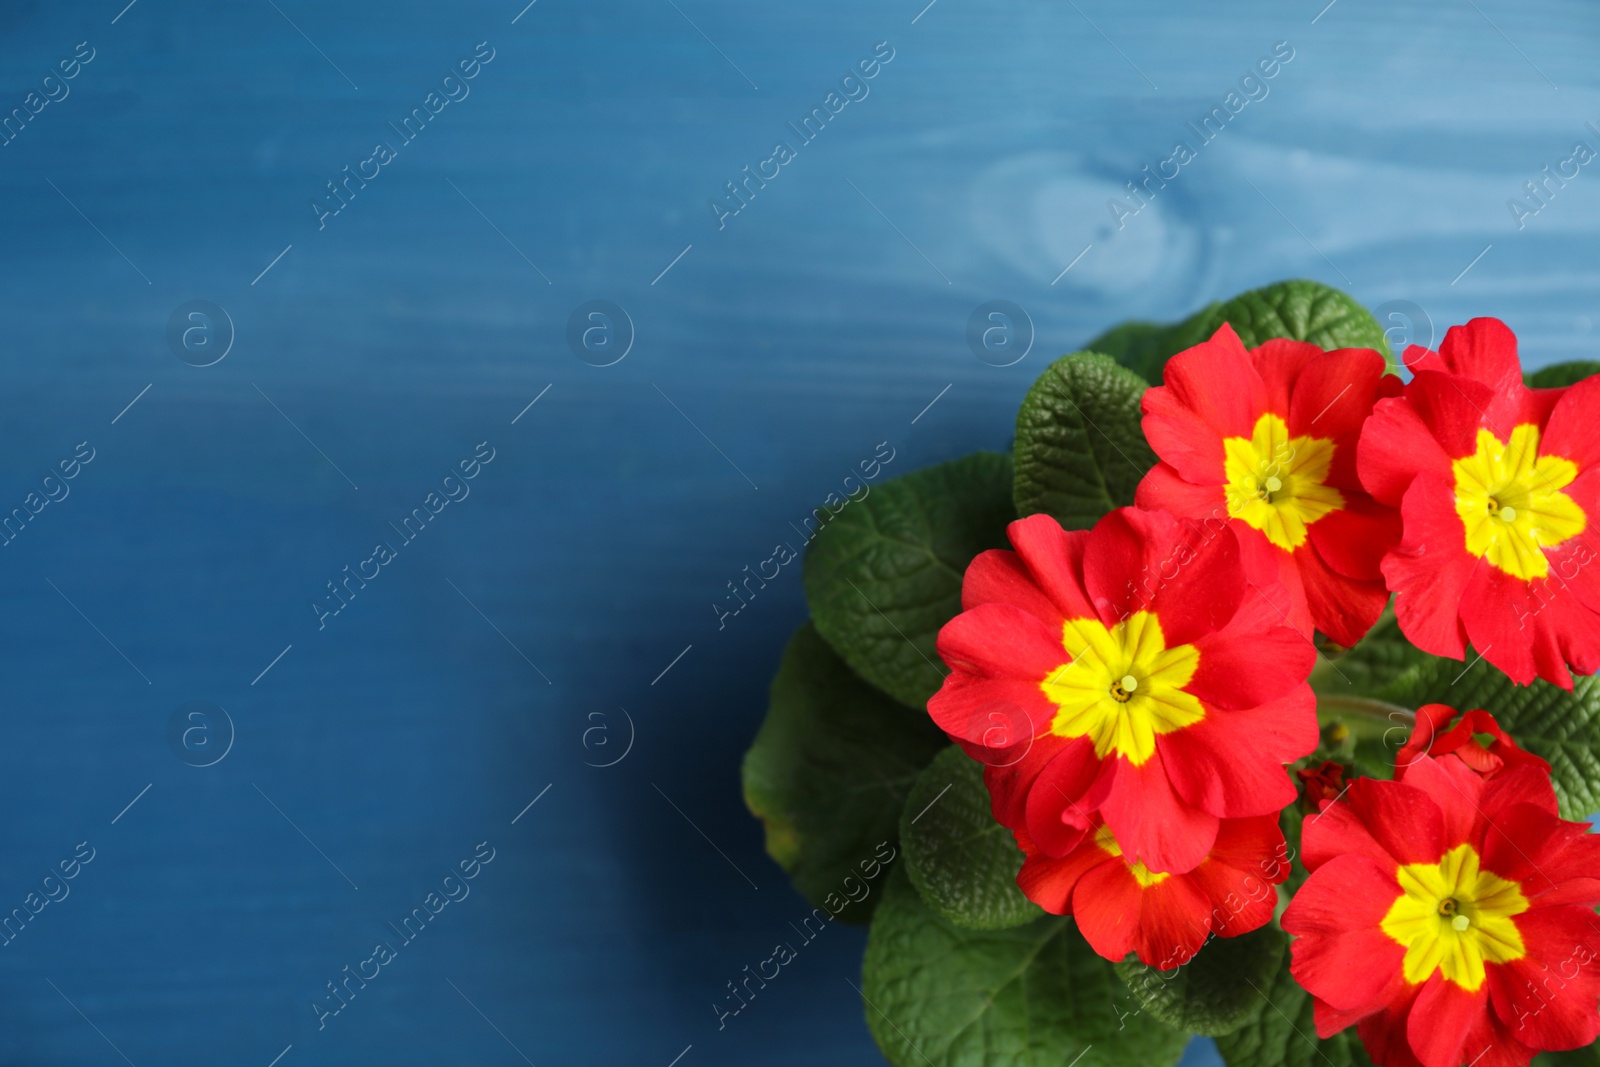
point(1588, 1056)
point(938, 995)
point(1347, 684)
point(1142, 347)
point(829, 771)
point(1080, 451)
point(1129, 341)
point(1380, 657)
point(1217, 991)
point(1373, 752)
point(1562, 374)
point(1280, 1032)
point(885, 574)
point(1301, 310)
point(962, 862)
point(1562, 727)
point(1292, 821)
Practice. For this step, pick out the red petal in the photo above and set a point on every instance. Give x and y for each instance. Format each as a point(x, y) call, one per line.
point(1248, 859)
point(1049, 881)
point(1187, 573)
point(1055, 559)
point(1513, 628)
point(1339, 953)
point(1388, 822)
point(1254, 845)
point(1055, 817)
point(1490, 1044)
point(1575, 624)
point(1536, 406)
point(1430, 569)
point(1504, 751)
point(1539, 627)
point(1440, 1020)
point(1484, 349)
point(1260, 647)
point(1555, 861)
point(1323, 406)
point(1163, 488)
point(1231, 762)
point(1180, 437)
point(1384, 1034)
point(1217, 380)
point(1276, 592)
point(996, 714)
point(1457, 790)
point(1573, 432)
point(1106, 907)
point(1330, 1020)
point(1526, 783)
point(1357, 971)
point(1174, 922)
point(1431, 735)
point(998, 576)
point(1281, 361)
point(1570, 569)
point(1353, 896)
point(1353, 539)
point(1453, 408)
point(1332, 399)
point(1252, 660)
point(1116, 915)
point(1343, 608)
point(1002, 641)
point(1151, 823)
point(1548, 997)
point(1010, 779)
point(1395, 446)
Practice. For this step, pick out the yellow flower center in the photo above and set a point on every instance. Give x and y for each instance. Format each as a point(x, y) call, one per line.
point(1511, 505)
point(1122, 686)
point(1141, 874)
point(1274, 481)
point(1453, 917)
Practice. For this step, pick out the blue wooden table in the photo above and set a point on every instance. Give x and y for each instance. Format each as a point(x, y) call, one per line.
point(425, 372)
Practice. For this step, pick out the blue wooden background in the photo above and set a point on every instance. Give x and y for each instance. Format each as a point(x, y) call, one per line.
point(491, 659)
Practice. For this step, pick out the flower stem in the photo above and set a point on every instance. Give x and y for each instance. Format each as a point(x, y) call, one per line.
point(1364, 715)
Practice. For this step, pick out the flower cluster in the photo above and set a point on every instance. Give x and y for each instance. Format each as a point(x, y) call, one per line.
point(1450, 913)
point(1137, 690)
point(1496, 484)
point(1136, 699)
